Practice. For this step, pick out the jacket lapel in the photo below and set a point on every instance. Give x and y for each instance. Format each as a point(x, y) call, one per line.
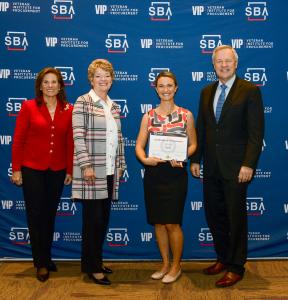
point(211, 101)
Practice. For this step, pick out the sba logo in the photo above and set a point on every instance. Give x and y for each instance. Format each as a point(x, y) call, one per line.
point(117, 43)
point(256, 75)
point(256, 11)
point(205, 238)
point(67, 74)
point(117, 237)
point(154, 73)
point(13, 106)
point(124, 110)
point(255, 206)
point(16, 41)
point(124, 177)
point(160, 11)
point(63, 10)
point(19, 235)
point(209, 42)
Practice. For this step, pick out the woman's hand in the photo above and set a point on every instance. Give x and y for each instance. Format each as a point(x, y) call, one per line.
point(68, 179)
point(89, 174)
point(152, 161)
point(16, 178)
point(176, 164)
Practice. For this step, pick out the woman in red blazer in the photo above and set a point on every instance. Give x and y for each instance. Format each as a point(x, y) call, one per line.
point(42, 158)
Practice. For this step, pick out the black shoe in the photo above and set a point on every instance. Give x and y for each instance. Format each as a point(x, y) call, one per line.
point(102, 281)
point(52, 267)
point(40, 276)
point(106, 270)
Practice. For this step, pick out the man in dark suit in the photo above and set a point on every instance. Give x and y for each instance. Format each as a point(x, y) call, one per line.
point(230, 128)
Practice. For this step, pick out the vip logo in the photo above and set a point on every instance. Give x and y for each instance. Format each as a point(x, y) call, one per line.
point(146, 107)
point(237, 43)
point(286, 144)
point(7, 204)
point(146, 43)
point(209, 42)
point(124, 177)
point(197, 76)
point(66, 207)
point(205, 238)
point(56, 236)
point(256, 11)
point(63, 10)
point(13, 106)
point(67, 75)
point(117, 43)
point(255, 206)
point(154, 73)
point(19, 235)
point(286, 208)
point(146, 236)
point(5, 139)
point(4, 73)
point(197, 10)
point(100, 9)
point(160, 11)
point(4, 6)
point(51, 41)
point(117, 237)
point(256, 75)
point(124, 110)
point(16, 41)
point(196, 205)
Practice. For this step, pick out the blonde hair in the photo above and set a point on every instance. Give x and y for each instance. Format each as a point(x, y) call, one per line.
point(102, 64)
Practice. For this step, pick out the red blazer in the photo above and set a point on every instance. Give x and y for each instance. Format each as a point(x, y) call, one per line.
point(40, 143)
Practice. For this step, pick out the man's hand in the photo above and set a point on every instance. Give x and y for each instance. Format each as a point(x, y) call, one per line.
point(245, 174)
point(195, 169)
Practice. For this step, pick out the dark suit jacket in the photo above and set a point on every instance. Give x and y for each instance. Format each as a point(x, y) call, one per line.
point(238, 137)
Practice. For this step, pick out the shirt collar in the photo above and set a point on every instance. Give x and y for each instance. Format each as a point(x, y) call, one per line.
point(229, 83)
point(96, 98)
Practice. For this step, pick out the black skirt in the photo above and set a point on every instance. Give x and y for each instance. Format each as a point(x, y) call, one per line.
point(165, 190)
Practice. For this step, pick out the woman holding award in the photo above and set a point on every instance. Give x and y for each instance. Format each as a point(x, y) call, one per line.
point(165, 180)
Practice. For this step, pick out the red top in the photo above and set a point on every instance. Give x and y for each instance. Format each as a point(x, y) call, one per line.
point(41, 143)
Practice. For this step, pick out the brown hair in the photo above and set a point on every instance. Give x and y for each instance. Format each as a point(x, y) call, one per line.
point(102, 64)
point(166, 74)
point(61, 95)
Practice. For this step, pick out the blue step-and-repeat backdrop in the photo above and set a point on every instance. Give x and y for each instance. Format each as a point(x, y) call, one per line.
point(141, 38)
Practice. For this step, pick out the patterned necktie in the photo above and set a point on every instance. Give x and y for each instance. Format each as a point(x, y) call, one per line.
point(220, 102)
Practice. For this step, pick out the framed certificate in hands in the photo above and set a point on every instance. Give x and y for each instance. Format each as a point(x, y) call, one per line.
point(168, 147)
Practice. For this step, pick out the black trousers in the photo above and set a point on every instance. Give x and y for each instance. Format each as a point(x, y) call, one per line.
point(226, 215)
point(42, 191)
point(95, 219)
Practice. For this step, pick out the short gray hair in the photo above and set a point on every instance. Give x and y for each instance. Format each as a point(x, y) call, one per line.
point(224, 47)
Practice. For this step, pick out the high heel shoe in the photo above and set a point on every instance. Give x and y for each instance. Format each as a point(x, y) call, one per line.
point(41, 275)
point(102, 281)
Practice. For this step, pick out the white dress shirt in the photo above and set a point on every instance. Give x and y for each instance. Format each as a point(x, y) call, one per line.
point(229, 84)
point(111, 132)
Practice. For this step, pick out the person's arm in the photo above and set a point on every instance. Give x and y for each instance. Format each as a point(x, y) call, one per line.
point(200, 135)
point(69, 150)
point(141, 144)
point(79, 125)
point(255, 129)
point(19, 139)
